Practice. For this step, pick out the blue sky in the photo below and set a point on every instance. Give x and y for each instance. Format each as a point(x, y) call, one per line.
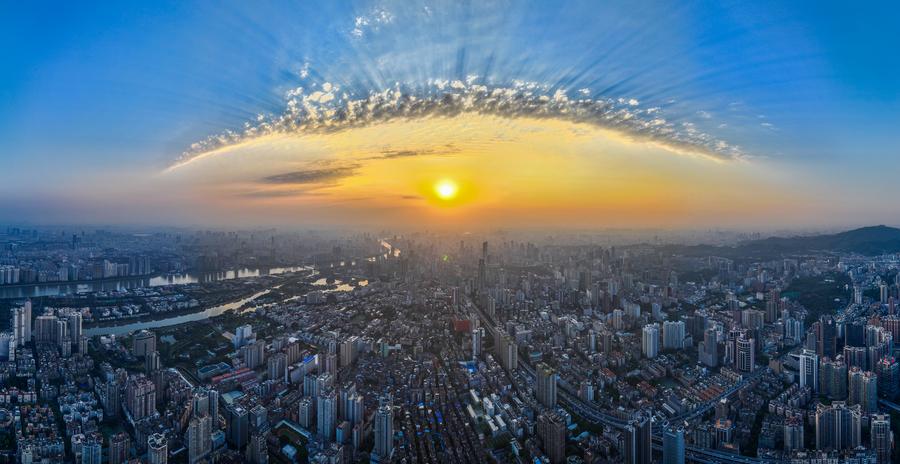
point(111, 89)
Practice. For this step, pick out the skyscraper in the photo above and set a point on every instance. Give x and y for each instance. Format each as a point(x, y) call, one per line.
point(673, 445)
point(709, 349)
point(888, 371)
point(863, 390)
point(92, 449)
point(793, 434)
point(746, 356)
point(673, 335)
point(545, 388)
point(119, 448)
point(638, 441)
point(199, 442)
point(237, 426)
point(809, 370)
point(326, 414)
point(881, 437)
point(144, 342)
point(826, 336)
point(650, 340)
point(157, 449)
point(384, 430)
point(838, 426)
point(551, 429)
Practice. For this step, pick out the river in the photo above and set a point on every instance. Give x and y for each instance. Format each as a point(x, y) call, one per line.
point(125, 283)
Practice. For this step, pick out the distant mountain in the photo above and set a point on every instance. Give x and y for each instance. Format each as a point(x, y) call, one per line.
point(870, 241)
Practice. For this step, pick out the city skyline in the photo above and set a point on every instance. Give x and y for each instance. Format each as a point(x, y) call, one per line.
point(454, 116)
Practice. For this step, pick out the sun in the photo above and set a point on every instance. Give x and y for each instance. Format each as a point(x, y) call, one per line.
point(446, 189)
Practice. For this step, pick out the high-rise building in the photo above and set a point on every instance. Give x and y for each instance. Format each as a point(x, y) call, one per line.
point(199, 438)
point(119, 448)
point(242, 335)
point(74, 321)
point(237, 426)
point(307, 413)
point(257, 450)
point(826, 336)
point(863, 390)
point(253, 354)
point(545, 388)
point(92, 449)
point(277, 367)
point(151, 362)
point(838, 426)
point(746, 354)
point(638, 441)
point(157, 449)
point(348, 350)
point(888, 371)
point(881, 437)
point(833, 379)
point(27, 333)
point(673, 445)
point(709, 348)
point(214, 407)
point(326, 414)
point(673, 335)
point(144, 342)
point(384, 430)
point(809, 370)
point(551, 429)
point(140, 397)
point(650, 340)
point(793, 434)
point(18, 326)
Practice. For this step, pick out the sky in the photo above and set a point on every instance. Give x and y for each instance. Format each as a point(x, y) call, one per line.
point(538, 114)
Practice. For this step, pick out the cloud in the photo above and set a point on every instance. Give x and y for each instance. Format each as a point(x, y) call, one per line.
point(311, 176)
point(371, 21)
point(328, 110)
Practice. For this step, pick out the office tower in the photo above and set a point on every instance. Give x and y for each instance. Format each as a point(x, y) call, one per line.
point(888, 371)
point(242, 336)
point(826, 336)
point(673, 335)
point(881, 437)
point(863, 390)
point(746, 354)
point(838, 426)
point(199, 441)
point(144, 342)
point(157, 449)
point(140, 397)
point(709, 348)
point(650, 340)
point(237, 429)
point(119, 448)
point(151, 362)
point(326, 414)
point(545, 388)
point(793, 434)
point(551, 429)
point(384, 430)
point(92, 449)
point(809, 370)
point(673, 445)
point(638, 441)
point(277, 367)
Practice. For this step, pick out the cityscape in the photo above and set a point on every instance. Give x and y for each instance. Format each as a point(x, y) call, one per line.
point(449, 232)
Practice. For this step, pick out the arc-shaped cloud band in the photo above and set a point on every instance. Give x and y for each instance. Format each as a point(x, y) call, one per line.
point(328, 109)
